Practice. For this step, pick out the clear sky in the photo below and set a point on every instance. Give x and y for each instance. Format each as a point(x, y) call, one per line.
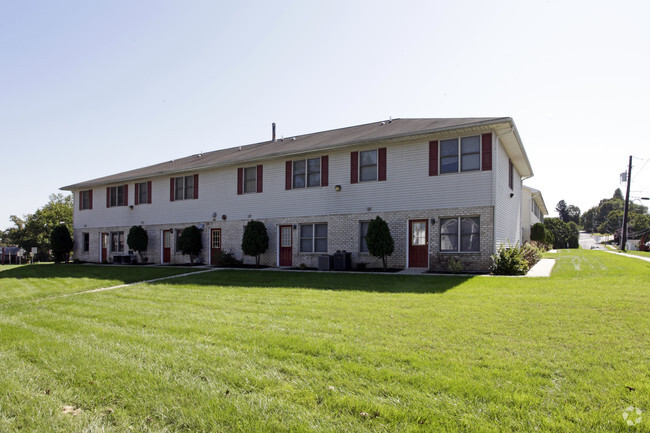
point(94, 88)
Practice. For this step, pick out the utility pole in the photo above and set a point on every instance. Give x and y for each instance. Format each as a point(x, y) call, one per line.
point(627, 206)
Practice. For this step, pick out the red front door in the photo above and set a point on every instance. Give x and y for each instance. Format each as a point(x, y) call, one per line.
point(418, 244)
point(286, 252)
point(215, 246)
point(104, 247)
point(167, 246)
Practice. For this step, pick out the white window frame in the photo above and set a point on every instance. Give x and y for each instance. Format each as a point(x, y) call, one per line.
point(362, 237)
point(459, 155)
point(114, 196)
point(85, 242)
point(143, 187)
point(84, 196)
point(120, 242)
point(376, 165)
point(183, 192)
point(313, 238)
point(253, 180)
point(459, 234)
point(307, 172)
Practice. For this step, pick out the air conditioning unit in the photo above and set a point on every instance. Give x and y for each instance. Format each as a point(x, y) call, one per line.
point(325, 263)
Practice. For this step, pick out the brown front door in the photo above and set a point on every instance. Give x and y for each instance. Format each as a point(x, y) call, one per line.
point(167, 246)
point(286, 252)
point(418, 244)
point(104, 247)
point(215, 245)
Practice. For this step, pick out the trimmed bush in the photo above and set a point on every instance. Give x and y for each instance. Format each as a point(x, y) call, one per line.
point(255, 241)
point(509, 261)
point(61, 242)
point(138, 240)
point(191, 242)
point(380, 241)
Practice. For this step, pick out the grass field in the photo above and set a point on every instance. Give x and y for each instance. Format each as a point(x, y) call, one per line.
point(258, 351)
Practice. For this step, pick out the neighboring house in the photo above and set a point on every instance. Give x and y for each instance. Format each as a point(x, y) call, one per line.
point(9, 255)
point(447, 188)
point(533, 210)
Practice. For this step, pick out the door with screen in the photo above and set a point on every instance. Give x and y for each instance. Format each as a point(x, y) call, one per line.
point(418, 244)
point(286, 240)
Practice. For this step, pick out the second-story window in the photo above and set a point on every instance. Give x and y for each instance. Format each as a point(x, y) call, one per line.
point(368, 165)
point(306, 172)
point(185, 187)
point(117, 196)
point(86, 199)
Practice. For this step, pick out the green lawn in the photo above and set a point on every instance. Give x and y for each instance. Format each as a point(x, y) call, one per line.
point(250, 351)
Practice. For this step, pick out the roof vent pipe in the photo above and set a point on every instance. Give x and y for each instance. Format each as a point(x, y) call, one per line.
point(273, 132)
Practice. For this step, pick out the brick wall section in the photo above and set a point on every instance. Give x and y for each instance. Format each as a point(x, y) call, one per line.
point(343, 235)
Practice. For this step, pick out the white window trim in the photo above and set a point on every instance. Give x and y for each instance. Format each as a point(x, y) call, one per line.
point(313, 238)
point(376, 179)
point(459, 234)
point(254, 169)
point(459, 155)
point(306, 174)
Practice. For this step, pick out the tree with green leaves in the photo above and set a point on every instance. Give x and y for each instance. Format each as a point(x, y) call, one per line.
point(34, 230)
point(539, 233)
point(561, 209)
point(255, 241)
point(61, 243)
point(565, 235)
point(138, 240)
point(380, 241)
point(191, 242)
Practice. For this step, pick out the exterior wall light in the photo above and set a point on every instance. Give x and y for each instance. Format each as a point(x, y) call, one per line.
point(338, 188)
point(512, 194)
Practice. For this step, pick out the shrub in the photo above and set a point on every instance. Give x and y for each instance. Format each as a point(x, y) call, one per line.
point(138, 240)
point(191, 242)
point(255, 241)
point(380, 241)
point(531, 253)
point(61, 242)
point(541, 246)
point(539, 233)
point(226, 260)
point(455, 266)
point(509, 261)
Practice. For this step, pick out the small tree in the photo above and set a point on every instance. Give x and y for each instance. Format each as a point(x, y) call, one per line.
point(191, 242)
point(138, 240)
point(61, 242)
point(255, 241)
point(538, 233)
point(379, 240)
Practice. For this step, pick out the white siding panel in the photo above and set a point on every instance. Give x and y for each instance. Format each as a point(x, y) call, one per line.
point(408, 187)
point(507, 209)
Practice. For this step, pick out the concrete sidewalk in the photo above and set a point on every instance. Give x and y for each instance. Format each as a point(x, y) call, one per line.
point(543, 268)
point(647, 259)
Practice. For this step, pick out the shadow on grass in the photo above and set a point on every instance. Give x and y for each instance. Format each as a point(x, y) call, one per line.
point(126, 274)
point(338, 281)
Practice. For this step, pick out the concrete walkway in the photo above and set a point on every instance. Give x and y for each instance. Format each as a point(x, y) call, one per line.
point(647, 259)
point(543, 268)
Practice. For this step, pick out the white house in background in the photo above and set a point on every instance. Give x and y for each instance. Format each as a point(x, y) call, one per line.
point(533, 210)
point(447, 188)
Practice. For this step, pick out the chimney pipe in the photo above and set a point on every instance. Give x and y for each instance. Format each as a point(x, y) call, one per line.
point(273, 128)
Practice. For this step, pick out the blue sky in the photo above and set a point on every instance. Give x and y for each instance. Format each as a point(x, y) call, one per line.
point(93, 88)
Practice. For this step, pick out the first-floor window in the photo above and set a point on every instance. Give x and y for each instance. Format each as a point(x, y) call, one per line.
point(117, 242)
point(86, 242)
point(460, 234)
point(363, 231)
point(313, 238)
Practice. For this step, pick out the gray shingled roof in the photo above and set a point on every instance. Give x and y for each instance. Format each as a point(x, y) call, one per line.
point(376, 131)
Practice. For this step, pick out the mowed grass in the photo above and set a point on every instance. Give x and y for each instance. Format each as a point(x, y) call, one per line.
point(246, 351)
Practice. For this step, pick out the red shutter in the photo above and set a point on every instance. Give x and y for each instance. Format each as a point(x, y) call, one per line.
point(149, 192)
point(381, 174)
point(90, 199)
point(196, 186)
point(259, 178)
point(80, 199)
point(324, 170)
point(288, 166)
point(126, 194)
point(171, 189)
point(108, 196)
point(433, 158)
point(486, 156)
point(240, 178)
point(354, 167)
point(136, 200)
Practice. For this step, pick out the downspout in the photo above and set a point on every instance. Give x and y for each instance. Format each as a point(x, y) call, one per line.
point(495, 171)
